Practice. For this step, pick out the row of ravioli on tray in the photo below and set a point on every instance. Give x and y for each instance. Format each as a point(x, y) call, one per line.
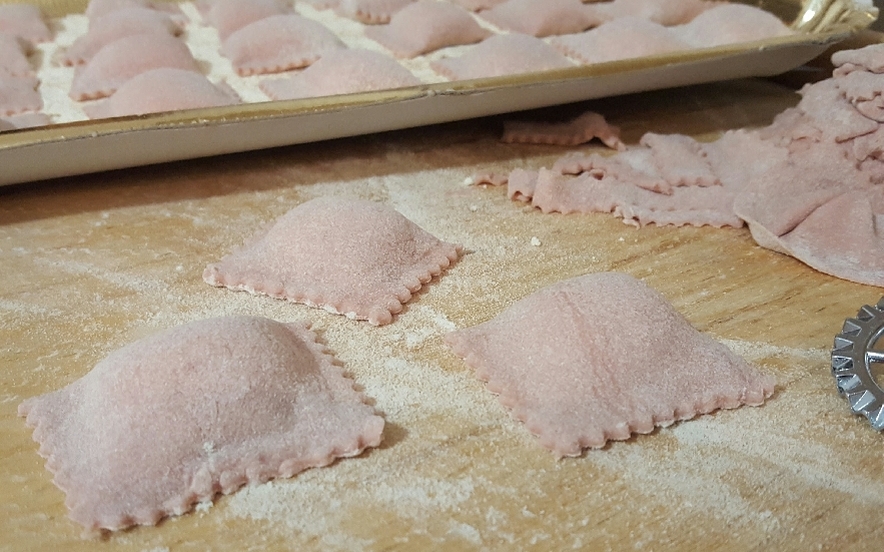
point(138, 56)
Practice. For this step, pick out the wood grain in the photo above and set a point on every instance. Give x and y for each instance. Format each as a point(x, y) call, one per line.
point(91, 263)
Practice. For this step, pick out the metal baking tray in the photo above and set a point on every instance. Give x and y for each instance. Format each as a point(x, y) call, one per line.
point(72, 148)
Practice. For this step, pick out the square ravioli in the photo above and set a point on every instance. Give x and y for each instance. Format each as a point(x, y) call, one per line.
point(426, 26)
point(352, 257)
point(204, 408)
point(600, 357)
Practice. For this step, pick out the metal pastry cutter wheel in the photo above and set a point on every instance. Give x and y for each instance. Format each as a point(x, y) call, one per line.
point(853, 358)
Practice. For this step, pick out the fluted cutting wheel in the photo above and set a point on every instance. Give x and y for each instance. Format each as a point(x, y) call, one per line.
point(853, 358)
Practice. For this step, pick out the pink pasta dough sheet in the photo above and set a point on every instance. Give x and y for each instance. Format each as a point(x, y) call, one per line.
point(163, 89)
point(25, 21)
point(341, 72)
point(352, 257)
point(229, 16)
point(14, 55)
point(601, 357)
point(18, 94)
point(622, 38)
point(868, 58)
point(370, 12)
point(125, 58)
point(730, 24)
point(426, 26)
point(540, 19)
point(579, 130)
point(116, 25)
point(200, 409)
point(278, 43)
point(500, 55)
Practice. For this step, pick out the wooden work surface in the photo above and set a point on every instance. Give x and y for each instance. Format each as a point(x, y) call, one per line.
point(88, 264)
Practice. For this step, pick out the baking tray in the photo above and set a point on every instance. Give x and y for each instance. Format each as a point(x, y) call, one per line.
point(90, 146)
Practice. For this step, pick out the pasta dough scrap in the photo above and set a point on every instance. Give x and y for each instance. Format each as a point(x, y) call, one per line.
point(605, 190)
point(622, 38)
point(351, 257)
point(579, 130)
point(228, 16)
point(341, 72)
point(125, 58)
point(501, 55)
point(14, 55)
point(370, 12)
point(278, 43)
point(426, 26)
point(601, 357)
point(116, 25)
point(163, 89)
point(649, 184)
point(18, 94)
point(24, 21)
point(680, 160)
point(801, 184)
point(634, 167)
point(200, 409)
point(540, 19)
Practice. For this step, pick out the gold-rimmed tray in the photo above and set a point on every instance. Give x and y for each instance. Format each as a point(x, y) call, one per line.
point(77, 147)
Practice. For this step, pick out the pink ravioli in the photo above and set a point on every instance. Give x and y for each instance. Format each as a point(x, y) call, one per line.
point(501, 55)
point(669, 12)
point(24, 120)
point(476, 5)
point(125, 58)
point(200, 409)
point(100, 8)
point(341, 72)
point(229, 16)
point(18, 94)
point(14, 55)
point(371, 12)
point(162, 89)
point(550, 17)
point(426, 26)
point(623, 38)
point(351, 257)
point(116, 25)
point(278, 43)
point(601, 357)
point(25, 21)
point(579, 130)
point(731, 24)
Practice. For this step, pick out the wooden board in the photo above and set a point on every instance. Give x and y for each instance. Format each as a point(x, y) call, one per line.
point(91, 263)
